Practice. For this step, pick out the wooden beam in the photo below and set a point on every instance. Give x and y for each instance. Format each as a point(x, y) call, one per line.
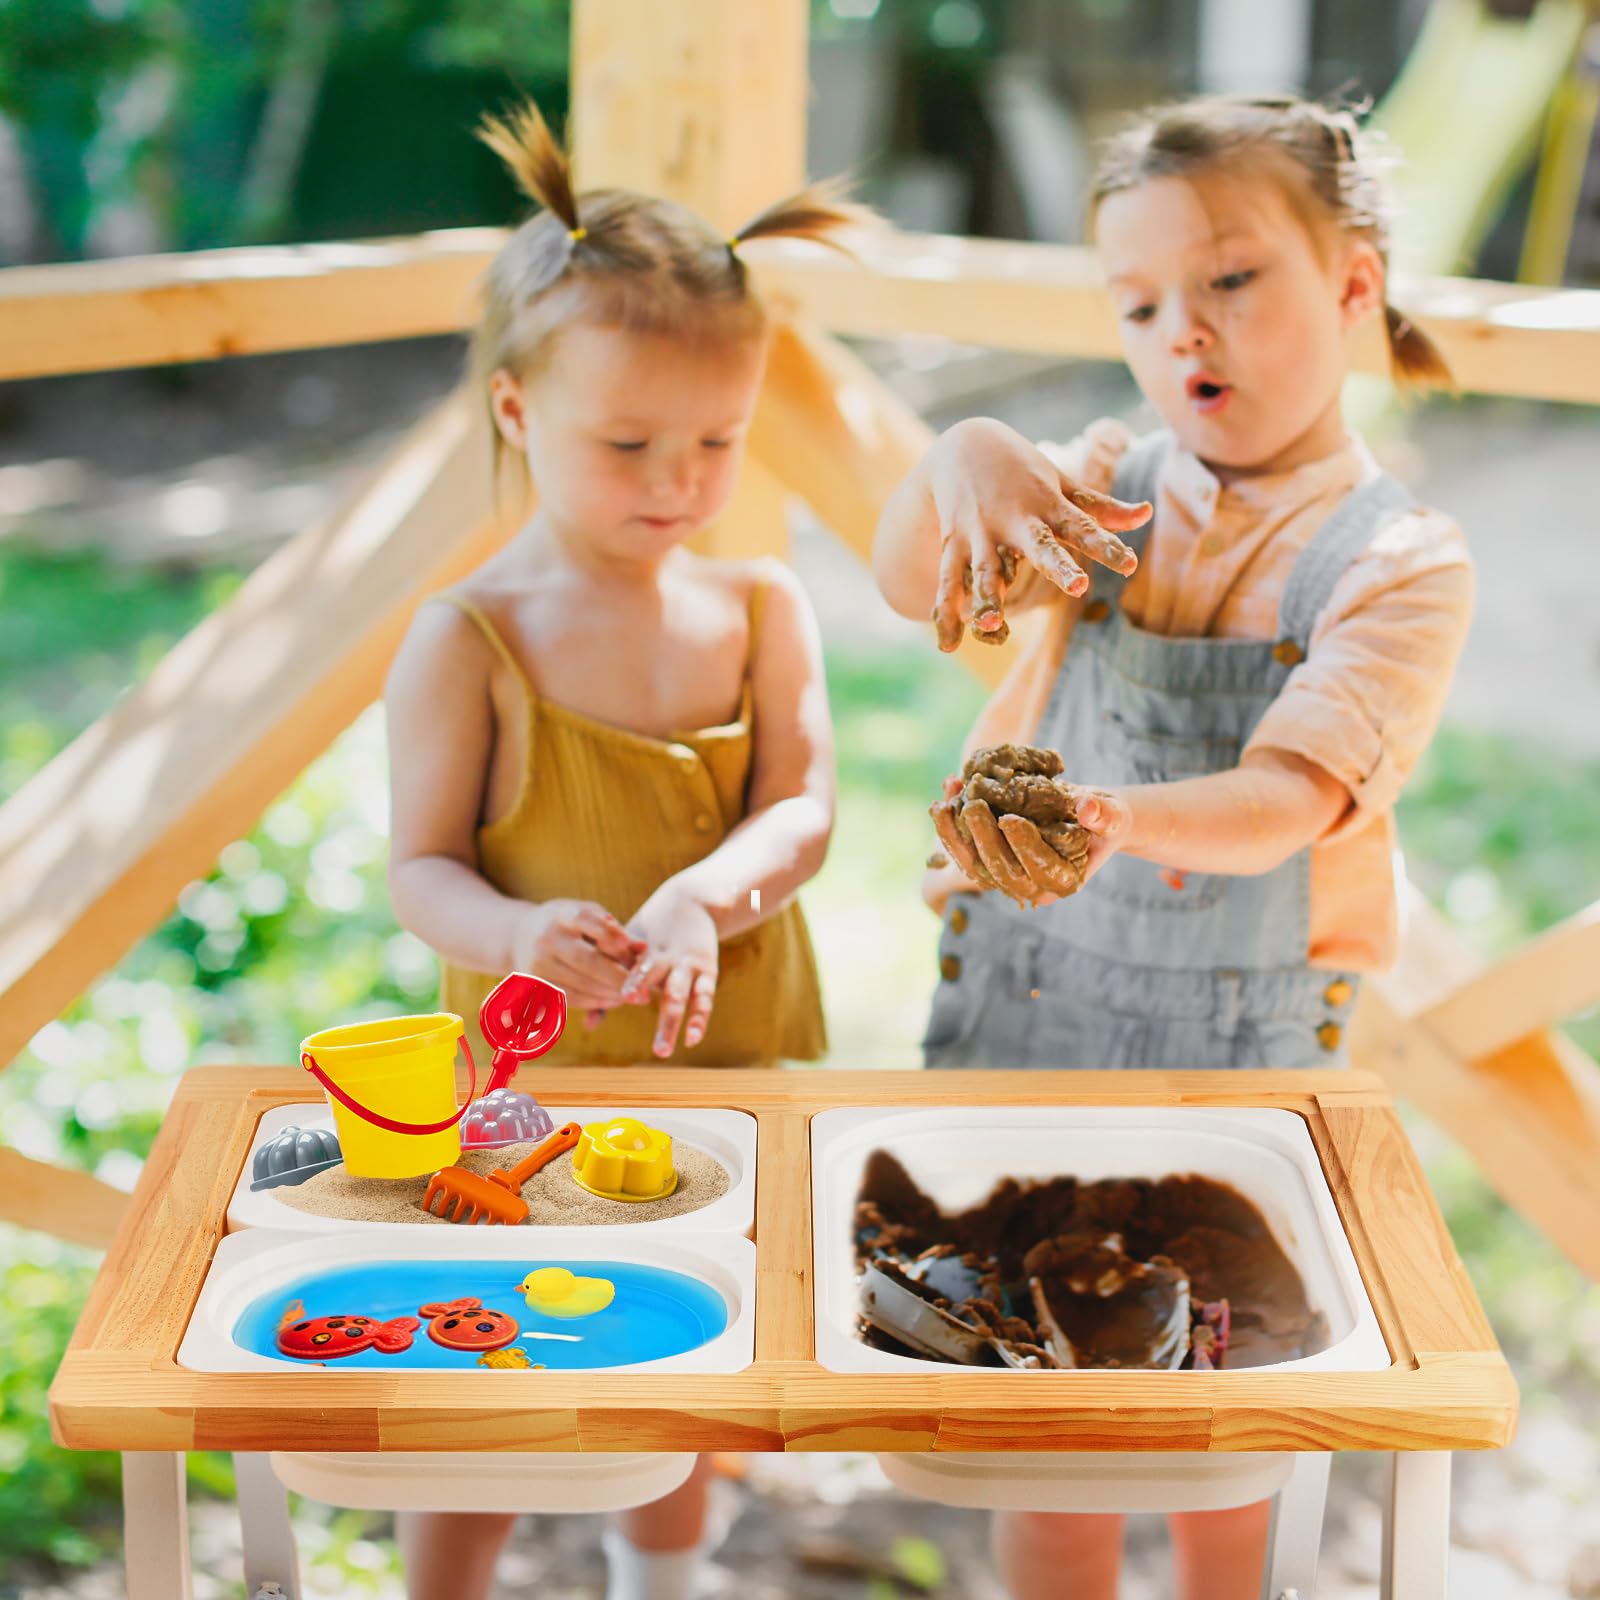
point(1529, 1115)
point(699, 101)
point(94, 850)
point(60, 1201)
point(1499, 338)
point(1539, 986)
point(139, 311)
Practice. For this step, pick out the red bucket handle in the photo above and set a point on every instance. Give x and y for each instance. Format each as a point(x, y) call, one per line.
point(309, 1062)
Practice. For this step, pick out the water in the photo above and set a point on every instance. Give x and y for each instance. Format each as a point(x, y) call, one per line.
point(654, 1313)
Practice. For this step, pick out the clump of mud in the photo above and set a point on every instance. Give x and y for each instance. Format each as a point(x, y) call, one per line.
point(1132, 1273)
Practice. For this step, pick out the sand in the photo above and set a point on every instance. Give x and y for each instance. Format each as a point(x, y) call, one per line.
point(554, 1198)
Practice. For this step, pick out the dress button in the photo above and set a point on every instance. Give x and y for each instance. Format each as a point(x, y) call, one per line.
point(1338, 993)
point(1329, 1035)
point(958, 920)
point(702, 821)
point(1211, 545)
point(950, 968)
point(1096, 611)
point(1287, 653)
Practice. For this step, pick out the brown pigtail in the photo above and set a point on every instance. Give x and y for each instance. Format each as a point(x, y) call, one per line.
point(1413, 356)
point(818, 212)
point(536, 161)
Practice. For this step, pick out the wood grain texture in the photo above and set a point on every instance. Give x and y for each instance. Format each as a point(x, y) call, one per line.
point(1499, 338)
point(1449, 1388)
point(63, 1201)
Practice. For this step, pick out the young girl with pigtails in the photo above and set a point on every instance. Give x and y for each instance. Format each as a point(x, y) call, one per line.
point(612, 758)
point(1251, 637)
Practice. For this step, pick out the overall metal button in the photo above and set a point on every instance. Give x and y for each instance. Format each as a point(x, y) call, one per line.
point(950, 968)
point(1096, 611)
point(958, 920)
point(1338, 992)
point(1287, 653)
point(1329, 1035)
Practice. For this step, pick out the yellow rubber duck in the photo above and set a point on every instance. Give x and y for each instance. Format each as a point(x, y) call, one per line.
point(559, 1293)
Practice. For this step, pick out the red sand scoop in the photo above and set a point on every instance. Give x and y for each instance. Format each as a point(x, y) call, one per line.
point(521, 1019)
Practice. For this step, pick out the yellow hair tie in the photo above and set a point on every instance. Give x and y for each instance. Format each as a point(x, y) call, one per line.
point(577, 234)
point(734, 242)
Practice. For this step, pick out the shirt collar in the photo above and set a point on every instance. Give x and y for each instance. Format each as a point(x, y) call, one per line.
point(1198, 491)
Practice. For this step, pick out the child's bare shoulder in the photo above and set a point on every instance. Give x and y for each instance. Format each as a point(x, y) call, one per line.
point(739, 581)
point(443, 638)
point(500, 592)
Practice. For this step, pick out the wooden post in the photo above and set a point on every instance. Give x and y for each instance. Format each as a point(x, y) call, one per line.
point(702, 102)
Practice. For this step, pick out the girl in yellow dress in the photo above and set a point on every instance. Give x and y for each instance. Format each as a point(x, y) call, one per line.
point(612, 759)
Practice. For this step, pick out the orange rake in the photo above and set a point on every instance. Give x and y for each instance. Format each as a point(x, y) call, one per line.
point(464, 1196)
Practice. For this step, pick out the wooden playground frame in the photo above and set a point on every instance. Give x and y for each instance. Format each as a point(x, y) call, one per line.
point(703, 101)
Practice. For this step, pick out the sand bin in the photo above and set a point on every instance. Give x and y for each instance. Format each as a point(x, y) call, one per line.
point(553, 1196)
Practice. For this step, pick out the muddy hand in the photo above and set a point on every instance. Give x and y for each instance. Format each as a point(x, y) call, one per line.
point(1002, 502)
point(1051, 877)
point(956, 845)
point(995, 854)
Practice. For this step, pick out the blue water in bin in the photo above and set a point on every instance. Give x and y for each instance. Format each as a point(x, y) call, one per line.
point(654, 1313)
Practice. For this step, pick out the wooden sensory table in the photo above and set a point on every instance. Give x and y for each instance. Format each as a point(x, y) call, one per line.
point(1448, 1386)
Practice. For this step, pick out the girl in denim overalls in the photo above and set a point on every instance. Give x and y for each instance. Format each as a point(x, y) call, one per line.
point(1237, 684)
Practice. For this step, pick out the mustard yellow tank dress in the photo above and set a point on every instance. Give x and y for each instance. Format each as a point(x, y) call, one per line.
point(607, 815)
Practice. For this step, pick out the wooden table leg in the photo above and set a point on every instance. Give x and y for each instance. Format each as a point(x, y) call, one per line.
point(155, 1525)
point(1416, 1526)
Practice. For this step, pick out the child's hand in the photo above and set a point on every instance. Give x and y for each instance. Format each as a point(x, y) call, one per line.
point(582, 947)
point(1001, 500)
point(1109, 817)
point(678, 964)
point(1010, 854)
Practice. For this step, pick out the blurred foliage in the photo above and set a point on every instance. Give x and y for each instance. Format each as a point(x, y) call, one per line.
point(160, 103)
point(234, 121)
point(293, 928)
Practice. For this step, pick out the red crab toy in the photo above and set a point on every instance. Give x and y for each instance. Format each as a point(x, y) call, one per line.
point(466, 1325)
point(328, 1338)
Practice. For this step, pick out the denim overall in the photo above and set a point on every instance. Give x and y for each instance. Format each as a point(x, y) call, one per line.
point(1129, 972)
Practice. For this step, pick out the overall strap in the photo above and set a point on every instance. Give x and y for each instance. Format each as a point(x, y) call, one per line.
point(1137, 477)
point(1353, 525)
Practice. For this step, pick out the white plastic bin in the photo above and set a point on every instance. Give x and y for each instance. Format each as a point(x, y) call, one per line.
point(730, 1136)
point(956, 1155)
point(260, 1261)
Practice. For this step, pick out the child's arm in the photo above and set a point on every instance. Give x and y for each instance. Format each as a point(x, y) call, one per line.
point(981, 487)
point(1334, 747)
point(1242, 822)
point(441, 737)
point(781, 841)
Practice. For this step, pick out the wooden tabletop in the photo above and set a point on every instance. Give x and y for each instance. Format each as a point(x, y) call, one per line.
point(1449, 1387)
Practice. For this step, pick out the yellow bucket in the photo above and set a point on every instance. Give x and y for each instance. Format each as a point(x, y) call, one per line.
point(392, 1086)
